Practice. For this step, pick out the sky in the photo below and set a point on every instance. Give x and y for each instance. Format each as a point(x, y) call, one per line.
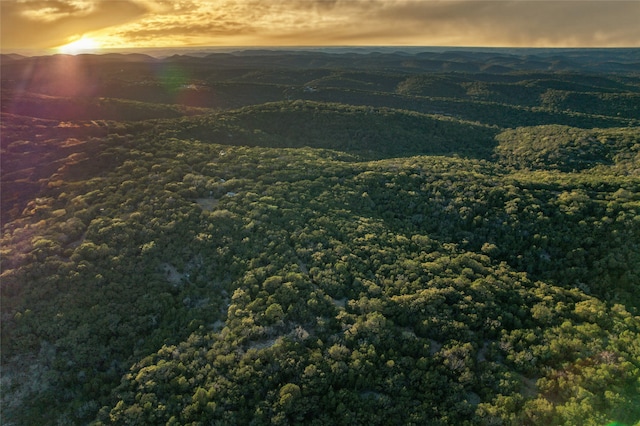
point(94, 24)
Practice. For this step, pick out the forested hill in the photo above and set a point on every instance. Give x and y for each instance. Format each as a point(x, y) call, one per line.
point(579, 88)
point(321, 238)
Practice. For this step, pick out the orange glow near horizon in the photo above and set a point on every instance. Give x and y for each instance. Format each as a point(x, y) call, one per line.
point(83, 45)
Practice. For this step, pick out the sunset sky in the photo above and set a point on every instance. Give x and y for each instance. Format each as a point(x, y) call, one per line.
point(35, 24)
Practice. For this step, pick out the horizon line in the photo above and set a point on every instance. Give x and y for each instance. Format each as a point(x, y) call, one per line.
point(30, 52)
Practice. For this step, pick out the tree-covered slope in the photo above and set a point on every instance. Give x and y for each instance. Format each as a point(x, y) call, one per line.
point(90, 108)
point(370, 132)
point(203, 282)
point(356, 239)
point(570, 149)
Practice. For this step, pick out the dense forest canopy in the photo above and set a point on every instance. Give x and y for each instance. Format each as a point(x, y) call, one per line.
point(321, 238)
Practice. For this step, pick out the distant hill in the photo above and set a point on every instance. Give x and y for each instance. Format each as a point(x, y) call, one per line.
point(505, 88)
point(89, 108)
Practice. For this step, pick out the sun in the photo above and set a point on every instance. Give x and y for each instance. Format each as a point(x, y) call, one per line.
point(83, 45)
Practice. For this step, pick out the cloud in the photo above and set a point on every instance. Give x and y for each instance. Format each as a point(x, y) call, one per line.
point(522, 23)
point(462, 22)
point(205, 31)
point(47, 11)
point(516, 22)
point(157, 23)
point(186, 22)
point(46, 24)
